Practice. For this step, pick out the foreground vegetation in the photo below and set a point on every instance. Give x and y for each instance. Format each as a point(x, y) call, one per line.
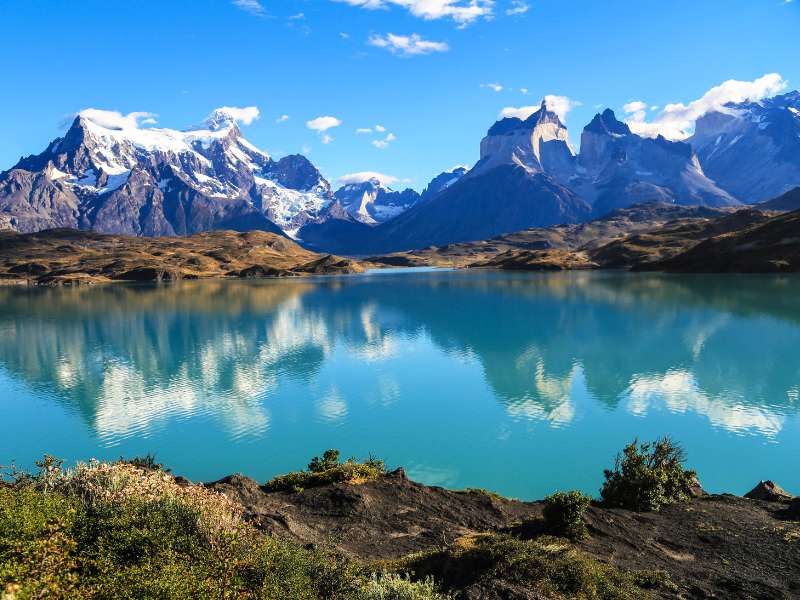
point(327, 470)
point(123, 531)
point(131, 530)
point(549, 567)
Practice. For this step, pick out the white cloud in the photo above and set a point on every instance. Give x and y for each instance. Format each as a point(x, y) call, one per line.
point(521, 112)
point(462, 12)
point(560, 105)
point(149, 121)
point(636, 110)
point(254, 7)
point(524, 91)
point(282, 119)
point(323, 123)
point(344, 36)
point(384, 143)
point(305, 149)
point(406, 45)
point(362, 130)
point(111, 119)
point(363, 176)
point(296, 17)
point(493, 86)
point(245, 115)
point(634, 106)
point(380, 128)
point(326, 139)
point(518, 7)
point(676, 121)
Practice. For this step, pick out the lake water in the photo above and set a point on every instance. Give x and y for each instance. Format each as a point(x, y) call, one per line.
point(519, 383)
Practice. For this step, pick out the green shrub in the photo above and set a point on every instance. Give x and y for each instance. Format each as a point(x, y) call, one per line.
point(547, 567)
point(392, 586)
point(564, 514)
point(117, 531)
point(37, 552)
point(329, 460)
point(148, 461)
point(648, 476)
point(327, 470)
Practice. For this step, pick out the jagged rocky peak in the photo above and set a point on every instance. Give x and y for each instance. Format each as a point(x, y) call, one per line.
point(606, 123)
point(538, 144)
point(220, 118)
point(618, 168)
point(295, 171)
point(371, 202)
point(443, 181)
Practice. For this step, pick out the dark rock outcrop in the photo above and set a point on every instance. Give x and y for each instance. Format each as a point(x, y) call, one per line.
point(768, 491)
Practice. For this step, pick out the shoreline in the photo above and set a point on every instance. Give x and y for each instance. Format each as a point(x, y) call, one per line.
point(476, 544)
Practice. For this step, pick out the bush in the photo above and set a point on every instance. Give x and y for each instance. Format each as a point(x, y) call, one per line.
point(397, 587)
point(648, 476)
point(329, 460)
point(148, 461)
point(327, 470)
point(36, 549)
point(547, 567)
point(117, 531)
point(564, 514)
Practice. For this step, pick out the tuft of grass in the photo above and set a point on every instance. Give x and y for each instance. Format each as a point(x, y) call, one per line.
point(648, 476)
point(391, 586)
point(545, 566)
point(564, 514)
point(483, 492)
point(327, 470)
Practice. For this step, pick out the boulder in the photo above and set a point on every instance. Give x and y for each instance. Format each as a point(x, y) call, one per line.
point(769, 491)
point(695, 489)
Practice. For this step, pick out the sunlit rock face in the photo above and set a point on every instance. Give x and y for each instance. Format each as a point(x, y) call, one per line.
point(538, 144)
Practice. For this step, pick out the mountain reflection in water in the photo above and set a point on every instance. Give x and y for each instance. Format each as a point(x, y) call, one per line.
point(441, 360)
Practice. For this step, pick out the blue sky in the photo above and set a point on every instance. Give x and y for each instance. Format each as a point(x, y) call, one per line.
point(307, 59)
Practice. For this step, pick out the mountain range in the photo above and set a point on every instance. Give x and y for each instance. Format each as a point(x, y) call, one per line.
point(146, 181)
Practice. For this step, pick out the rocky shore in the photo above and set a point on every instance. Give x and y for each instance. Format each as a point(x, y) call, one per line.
point(712, 546)
point(353, 530)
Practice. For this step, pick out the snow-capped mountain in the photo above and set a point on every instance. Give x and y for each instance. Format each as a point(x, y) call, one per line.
point(371, 202)
point(120, 177)
point(752, 149)
point(617, 168)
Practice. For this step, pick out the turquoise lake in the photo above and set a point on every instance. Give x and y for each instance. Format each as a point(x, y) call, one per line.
point(518, 383)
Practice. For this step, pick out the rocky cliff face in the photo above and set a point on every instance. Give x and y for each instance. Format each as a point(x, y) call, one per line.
point(618, 168)
point(752, 149)
point(538, 144)
point(152, 182)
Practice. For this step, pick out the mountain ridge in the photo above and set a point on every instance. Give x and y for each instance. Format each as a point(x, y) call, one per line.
point(122, 178)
